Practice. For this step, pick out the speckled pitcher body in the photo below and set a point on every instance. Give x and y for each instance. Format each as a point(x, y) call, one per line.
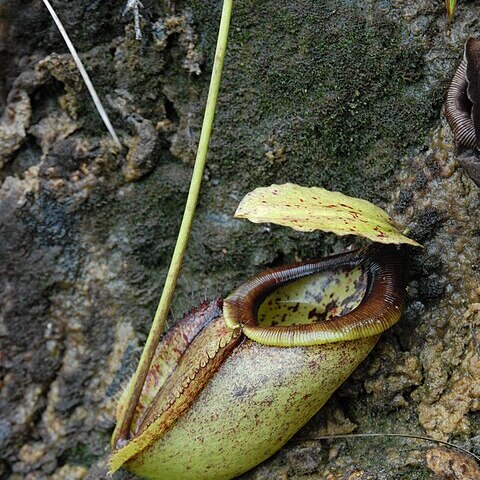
point(235, 379)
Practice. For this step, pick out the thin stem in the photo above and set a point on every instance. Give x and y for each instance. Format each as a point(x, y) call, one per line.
point(83, 73)
point(159, 320)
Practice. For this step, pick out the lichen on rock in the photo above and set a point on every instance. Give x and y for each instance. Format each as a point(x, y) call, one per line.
point(13, 124)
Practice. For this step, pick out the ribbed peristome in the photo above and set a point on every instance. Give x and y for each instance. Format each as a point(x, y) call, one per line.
point(458, 108)
point(379, 282)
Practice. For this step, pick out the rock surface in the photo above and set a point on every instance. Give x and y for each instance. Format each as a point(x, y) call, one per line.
point(342, 94)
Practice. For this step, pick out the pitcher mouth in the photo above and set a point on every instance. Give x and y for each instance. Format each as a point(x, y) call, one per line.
point(368, 290)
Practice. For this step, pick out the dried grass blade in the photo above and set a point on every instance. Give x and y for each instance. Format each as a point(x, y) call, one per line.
point(83, 72)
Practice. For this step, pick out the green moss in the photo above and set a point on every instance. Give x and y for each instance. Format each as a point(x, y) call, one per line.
point(81, 454)
point(326, 81)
